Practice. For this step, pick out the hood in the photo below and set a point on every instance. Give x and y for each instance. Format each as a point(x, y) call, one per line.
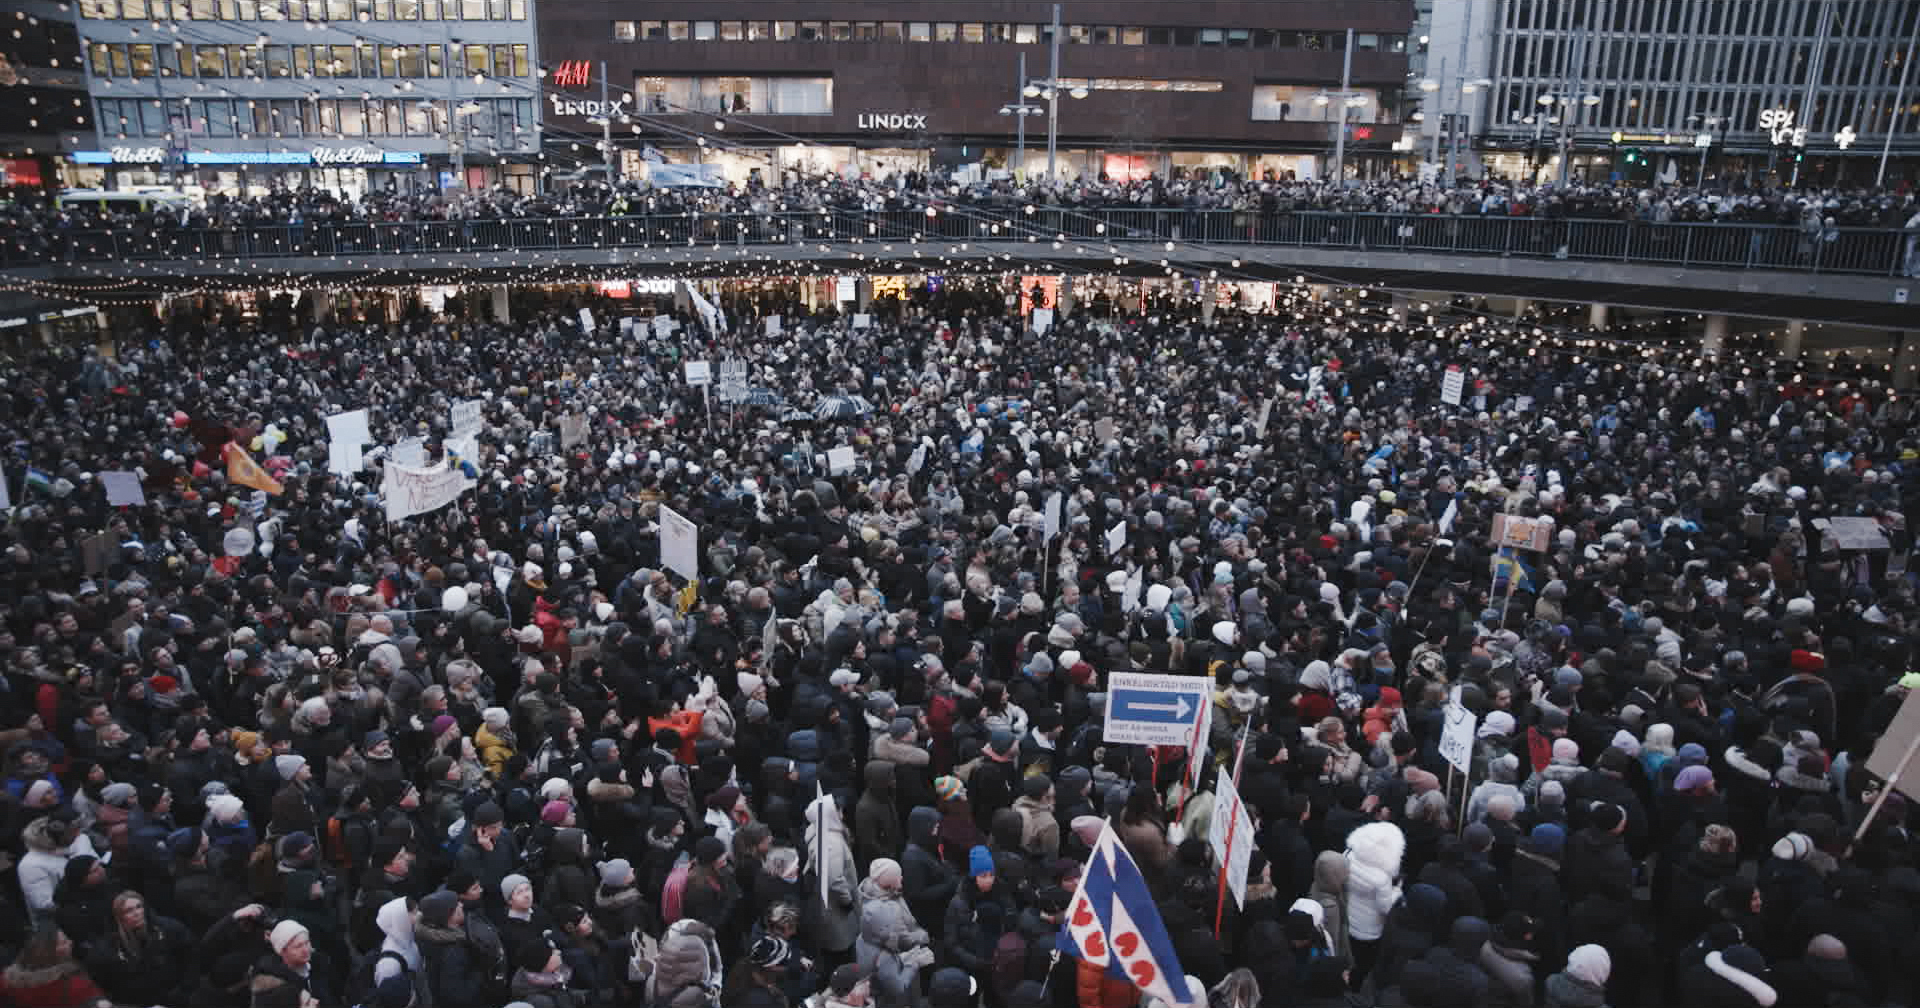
point(1329, 872)
point(1007, 828)
point(37, 838)
point(396, 922)
point(871, 890)
point(804, 745)
point(1427, 906)
point(1377, 845)
point(1469, 934)
point(879, 775)
point(921, 823)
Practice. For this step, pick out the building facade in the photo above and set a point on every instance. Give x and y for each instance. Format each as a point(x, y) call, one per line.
point(1671, 89)
point(883, 85)
point(44, 109)
point(346, 95)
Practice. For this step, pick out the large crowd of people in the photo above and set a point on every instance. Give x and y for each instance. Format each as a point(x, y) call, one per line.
point(275, 749)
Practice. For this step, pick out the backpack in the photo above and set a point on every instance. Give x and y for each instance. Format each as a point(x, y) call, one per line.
point(360, 983)
point(674, 892)
point(533, 852)
point(1009, 962)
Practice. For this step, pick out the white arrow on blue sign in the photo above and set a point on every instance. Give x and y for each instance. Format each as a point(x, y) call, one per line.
point(1148, 709)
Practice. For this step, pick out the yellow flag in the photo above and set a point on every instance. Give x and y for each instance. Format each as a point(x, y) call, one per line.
point(242, 470)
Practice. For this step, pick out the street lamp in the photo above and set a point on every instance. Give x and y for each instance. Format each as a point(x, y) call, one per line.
point(1704, 139)
point(1050, 89)
point(1567, 103)
point(1020, 110)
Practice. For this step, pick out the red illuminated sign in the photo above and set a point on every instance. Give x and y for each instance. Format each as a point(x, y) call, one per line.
point(1363, 132)
point(572, 74)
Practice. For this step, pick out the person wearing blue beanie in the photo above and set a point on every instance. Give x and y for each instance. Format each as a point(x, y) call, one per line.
point(1547, 839)
point(979, 861)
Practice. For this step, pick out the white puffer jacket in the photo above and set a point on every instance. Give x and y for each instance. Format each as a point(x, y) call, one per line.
point(1373, 862)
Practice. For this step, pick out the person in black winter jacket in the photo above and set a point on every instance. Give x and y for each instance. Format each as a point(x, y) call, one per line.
point(1735, 978)
point(1597, 859)
point(928, 881)
point(456, 973)
point(1455, 965)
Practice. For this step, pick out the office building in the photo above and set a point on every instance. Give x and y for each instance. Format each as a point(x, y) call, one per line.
point(347, 95)
point(44, 109)
point(883, 85)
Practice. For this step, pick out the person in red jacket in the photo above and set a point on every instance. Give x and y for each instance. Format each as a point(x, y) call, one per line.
point(47, 976)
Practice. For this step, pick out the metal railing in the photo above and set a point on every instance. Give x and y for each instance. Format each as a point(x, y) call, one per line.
point(1869, 251)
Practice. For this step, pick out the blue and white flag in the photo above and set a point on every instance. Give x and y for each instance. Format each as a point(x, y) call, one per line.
point(1113, 922)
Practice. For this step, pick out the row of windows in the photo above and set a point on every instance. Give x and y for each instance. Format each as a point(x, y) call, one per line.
point(248, 61)
point(306, 10)
point(1709, 17)
point(279, 118)
point(40, 42)
point(736, 95)
point(977, 31)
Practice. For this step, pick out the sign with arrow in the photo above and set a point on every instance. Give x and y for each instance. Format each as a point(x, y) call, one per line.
point(1147, 709)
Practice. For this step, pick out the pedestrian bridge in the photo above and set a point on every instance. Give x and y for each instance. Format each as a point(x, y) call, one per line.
point(1852, 276)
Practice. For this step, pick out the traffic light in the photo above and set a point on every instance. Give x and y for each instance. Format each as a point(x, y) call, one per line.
point(1634, 156)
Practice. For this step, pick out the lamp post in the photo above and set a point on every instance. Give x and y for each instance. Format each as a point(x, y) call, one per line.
point(1567, 103)
point(1347, 98)
point(1020, 110)
point(1707, 122)
point(1049, 89)
point(1539, 121)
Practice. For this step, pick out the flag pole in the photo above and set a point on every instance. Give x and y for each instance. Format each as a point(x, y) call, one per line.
point(1233, 821)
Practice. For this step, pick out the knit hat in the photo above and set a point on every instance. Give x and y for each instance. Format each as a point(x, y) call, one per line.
point(226, 809)
point(244, 741)
point(979, 861)
point(555, 812)
point(615, 873)
point(395, 991)
point(288, 764)
point(709, 849)
point(488, 814)
point(900, 728)
point(1035, 786)
point(769, 952)
point(442, 723)
point(1792, 847)
point(1566, 749)
point(1547, 838)
point(436, 908)
point(844, 677)
point(373, 738)
point(121, 794)
point(1496, 723)
point(284, 933)
point(1692, 777)
point(948, 788)
point(512, 882)
point(1001, 741)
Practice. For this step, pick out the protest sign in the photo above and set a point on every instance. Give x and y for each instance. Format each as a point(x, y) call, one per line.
point(1117, 538)
point(586, 320)
point(1456, 737)
point(465, 416)
point(840, 459)
point(1230, 833)
point(573, 429)
point(410, 452)
point(123, 489)
point(349, 427)
point(862, 320)
point(699, 373)
point(410, 490)
point(1516, 532)
point(679, 544)
point(1452, 385)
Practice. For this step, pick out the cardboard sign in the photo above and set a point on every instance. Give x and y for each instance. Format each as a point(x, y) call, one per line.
point(1153, 709)
point(1857, 534)
point(862, 320)
point(123, 489)
point(1523, 533)
point(1888, 749)
point(1456, 738)
point(1117, 538)
point(679, 544)
point(586, 320)
point(1230, 833)
point(465, 416)
point(411, 452)
point(840, 460)
point(1055, 505)
point(772, 323)
point(699, 373)
point(349, 427)
point(1452, 385)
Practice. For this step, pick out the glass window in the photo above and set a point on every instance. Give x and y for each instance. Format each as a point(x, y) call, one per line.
point(283, 117)
point(865, 31)
point(785, 31)
point(759, 31)
point(919, 31)
point(1395, 43)
point(653, 31)
point(343, 62)
point(474, 60)
point(891, 31)
point(353, 118)
point(840, 31)
point(496, 10)
point(522, 60)
point(502, 61)
point(366, 61)
point(1106, 34)
point(419, 119)
point(140, 58)
point(732, 31)
point(1287, 40)
point(1367, 42)
point(1239, 37)
point(1076, 33)
point(517, 10)
point(202, 10)
point(376, 118)
point(812, 31)
point(303, 62)
point(97, 58)
point(1212, 36)
point(1159, 36)
point(278, 65)
point(208, 61)
point(625, 31)
point(134, 9)
point(1313, 41)
point(703, 31)
point(97, 9)
point(244, 60)
point(1133, 36)
point(435, 60)
point(337, 10)
point(1026, 34)
point(430, 10)
point(678, 31)
point(223, 118)
point(973, 31)
point(945, 31)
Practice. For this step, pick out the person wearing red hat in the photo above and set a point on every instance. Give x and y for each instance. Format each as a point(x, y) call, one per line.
point(1805, 695)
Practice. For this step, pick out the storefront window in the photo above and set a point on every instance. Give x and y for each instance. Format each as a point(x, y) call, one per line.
point(732, 31)
point(891, 31)
point(759, 31)
point(625, 31)
point(677, 31)
point(840, 31)
point(704, 31)
point(919, 31)
point(973, 31)
point(945, 31)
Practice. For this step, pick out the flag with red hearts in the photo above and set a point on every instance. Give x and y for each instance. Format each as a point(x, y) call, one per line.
point(1113, 922)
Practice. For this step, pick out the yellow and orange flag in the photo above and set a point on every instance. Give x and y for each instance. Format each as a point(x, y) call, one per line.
point(242, 470)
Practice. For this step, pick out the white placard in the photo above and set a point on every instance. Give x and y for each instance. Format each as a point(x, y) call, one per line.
point(349, 428)
point(862, 320)
point(6, 496)
point(1056, 505)
point(345, 459)
point(573, 429)
point(411, 491)
point(663, 326)
point(1117, 538)
point(1231, 835)
point(1522, 404)
point(586, 320)
point(772, 323)
point(1452, 384)
point(699, 373)
point(410, 452)
point(123, 489)
point(846, 289)
point(1042, 320)
point(1456, 738)
point(465, 416)
point(679, 544)
point(840, 460)
point(917, 461)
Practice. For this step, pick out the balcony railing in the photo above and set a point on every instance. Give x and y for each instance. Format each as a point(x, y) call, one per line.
point(1860, 251)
